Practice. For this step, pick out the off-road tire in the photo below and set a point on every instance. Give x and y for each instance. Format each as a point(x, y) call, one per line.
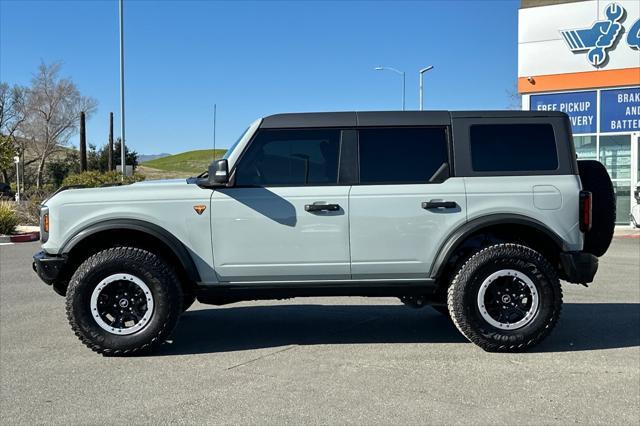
point(463, 292)
point(157, 274)
point(595, 179)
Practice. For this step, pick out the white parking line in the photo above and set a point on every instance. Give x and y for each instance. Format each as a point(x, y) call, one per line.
point(6, 244)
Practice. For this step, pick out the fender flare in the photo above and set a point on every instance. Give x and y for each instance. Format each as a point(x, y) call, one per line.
point(161, 234)
point(457, 237)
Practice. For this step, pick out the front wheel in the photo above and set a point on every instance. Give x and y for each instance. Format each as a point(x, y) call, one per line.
point(505, 298)
point(123, 301)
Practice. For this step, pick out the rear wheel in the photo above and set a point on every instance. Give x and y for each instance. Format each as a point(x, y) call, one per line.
point(123, 301)
point(505, 298)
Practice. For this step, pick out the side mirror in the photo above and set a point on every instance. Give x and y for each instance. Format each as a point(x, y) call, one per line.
point(219, 172)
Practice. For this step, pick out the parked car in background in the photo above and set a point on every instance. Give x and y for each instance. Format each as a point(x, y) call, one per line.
point(479, 214)
point(5, 192)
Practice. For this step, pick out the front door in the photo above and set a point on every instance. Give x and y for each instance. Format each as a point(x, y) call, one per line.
point(285, 218)
point(405, 204)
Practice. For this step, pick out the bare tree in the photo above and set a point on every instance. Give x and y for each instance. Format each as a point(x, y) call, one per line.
point(514, 99)
point(11, 117)
point(52, 113)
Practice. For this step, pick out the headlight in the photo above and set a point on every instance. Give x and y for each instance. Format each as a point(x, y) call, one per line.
point(44, 224)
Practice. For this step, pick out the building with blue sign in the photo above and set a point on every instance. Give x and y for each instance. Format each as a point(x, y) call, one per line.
point(583, 58)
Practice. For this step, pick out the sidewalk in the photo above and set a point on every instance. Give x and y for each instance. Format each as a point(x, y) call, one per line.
point(626, 232)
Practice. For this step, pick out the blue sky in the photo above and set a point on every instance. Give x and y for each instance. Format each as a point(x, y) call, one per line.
point(257, 58)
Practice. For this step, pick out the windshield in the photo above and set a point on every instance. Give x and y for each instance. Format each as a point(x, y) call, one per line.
point(235, 144)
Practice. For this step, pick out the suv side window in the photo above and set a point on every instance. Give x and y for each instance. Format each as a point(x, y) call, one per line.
point(401, 154)
point(513, 147)
point(291, 157)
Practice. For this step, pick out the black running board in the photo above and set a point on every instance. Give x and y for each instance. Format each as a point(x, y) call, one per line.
point(223, 293)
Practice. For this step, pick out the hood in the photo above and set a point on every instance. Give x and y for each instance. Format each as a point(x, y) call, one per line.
point(160, 182)
point(153, 190)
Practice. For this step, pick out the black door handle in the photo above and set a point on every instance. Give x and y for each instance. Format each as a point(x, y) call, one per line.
point(428, 205)
point(321, 207)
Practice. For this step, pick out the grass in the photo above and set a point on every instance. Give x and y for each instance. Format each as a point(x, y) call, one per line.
point(184, 164)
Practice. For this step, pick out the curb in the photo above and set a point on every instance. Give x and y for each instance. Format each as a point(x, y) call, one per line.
point(24, 238)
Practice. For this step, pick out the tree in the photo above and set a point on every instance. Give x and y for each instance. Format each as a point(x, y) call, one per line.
point(60, 168)
point(11, 117)
point(131, 157)
point(514, 99)
point(52, 113)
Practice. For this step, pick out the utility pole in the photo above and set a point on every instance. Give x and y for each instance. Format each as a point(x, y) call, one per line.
point(110, 144)
point(83, 144)
point(122, 156)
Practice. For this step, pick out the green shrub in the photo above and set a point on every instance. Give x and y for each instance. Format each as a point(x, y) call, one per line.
point(29, 208)
point(94, 179)
point(8, 217)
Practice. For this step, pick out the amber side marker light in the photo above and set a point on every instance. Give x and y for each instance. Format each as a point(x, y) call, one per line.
point(199, 208)
point(45, 222)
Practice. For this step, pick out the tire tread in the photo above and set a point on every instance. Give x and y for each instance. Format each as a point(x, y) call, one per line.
point(127, 254)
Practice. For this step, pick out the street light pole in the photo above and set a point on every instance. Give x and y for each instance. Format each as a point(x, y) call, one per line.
point(422, 71)
point(16, 160)
point(122, 156)
point(403, 81)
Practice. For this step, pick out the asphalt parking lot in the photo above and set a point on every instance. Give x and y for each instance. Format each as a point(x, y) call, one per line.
point(324, 360)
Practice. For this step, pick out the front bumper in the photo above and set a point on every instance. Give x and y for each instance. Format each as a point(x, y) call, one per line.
point(50, 269)
point(578, 267)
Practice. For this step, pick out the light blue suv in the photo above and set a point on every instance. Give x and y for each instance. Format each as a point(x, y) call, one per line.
point(479, 214)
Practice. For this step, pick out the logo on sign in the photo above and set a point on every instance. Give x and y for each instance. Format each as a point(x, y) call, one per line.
point(600, 37)
point(633, 38)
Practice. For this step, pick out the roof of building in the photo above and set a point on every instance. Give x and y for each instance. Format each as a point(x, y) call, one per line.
point(524, 4)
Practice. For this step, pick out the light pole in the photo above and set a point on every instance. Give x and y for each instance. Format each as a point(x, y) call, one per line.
point(397, 72)
point(122, 156)
point(16, 160)
point(422, 71)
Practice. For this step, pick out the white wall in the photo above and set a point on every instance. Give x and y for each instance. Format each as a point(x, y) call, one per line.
point(542, 50)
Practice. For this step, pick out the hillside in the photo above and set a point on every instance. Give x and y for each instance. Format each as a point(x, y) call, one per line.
point(148, 157)
point(180, 165)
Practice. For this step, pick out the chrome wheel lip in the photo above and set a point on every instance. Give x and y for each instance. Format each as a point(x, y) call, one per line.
point(530, 314)
point(127, 330)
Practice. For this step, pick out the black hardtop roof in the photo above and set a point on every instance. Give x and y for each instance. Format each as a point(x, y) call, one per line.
point(388, 118)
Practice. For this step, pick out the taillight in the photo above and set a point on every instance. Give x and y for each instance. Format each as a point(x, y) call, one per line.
point(585, 211)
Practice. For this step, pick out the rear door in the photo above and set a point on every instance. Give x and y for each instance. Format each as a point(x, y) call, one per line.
point(405, 203)
point(286, 217)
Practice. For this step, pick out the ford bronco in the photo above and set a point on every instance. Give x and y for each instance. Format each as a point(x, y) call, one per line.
point(478, 214)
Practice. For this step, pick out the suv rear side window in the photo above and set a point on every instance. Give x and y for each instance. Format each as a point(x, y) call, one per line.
point(513, 147)
point(291, 157)
point(401, 154)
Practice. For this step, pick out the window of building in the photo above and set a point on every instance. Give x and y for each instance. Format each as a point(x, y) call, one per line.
point(401, 155)
point(291, 157)
point(586, 147)
point(615, 154)
point(513, 147)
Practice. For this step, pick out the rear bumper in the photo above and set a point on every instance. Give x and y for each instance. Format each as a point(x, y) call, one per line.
point(49, 268)
point(578, 267)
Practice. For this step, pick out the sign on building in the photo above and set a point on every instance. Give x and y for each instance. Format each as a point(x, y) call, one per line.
point(580, 106)
point(620, 110)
